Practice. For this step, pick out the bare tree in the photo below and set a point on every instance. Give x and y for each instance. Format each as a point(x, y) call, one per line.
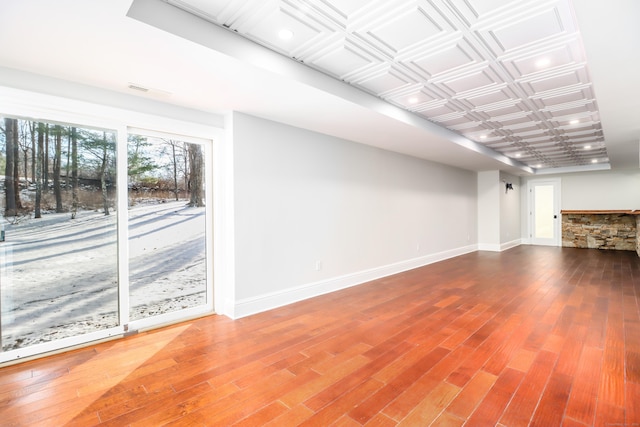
point(25, 146)
point(33, 126)
point(45, 160)
point(174, 162)
point(174, 146)
point(74, 172)
point(67, 167)
point(57, 159)
point(196, 166)
point(12, 184)
point(39, 164)
point(185, 165)
point(103, 175)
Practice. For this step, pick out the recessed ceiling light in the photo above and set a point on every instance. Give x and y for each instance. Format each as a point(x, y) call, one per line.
point(518, 155)
point(413, 100)
point(543, 62)
point(594, 160)
point(285, 34)
point(587, 147)
point(574, 122)
point(538, 166)
point(483, 136)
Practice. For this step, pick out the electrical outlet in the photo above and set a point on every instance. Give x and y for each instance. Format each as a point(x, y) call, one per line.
point(318, 265)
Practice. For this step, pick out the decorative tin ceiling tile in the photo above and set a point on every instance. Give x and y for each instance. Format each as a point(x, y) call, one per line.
point(344, 60)
point(405, 31)
point(510, 74)
point(385, 82)
point(446, 57)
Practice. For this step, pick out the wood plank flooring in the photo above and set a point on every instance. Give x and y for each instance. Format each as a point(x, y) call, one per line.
point(536, 336)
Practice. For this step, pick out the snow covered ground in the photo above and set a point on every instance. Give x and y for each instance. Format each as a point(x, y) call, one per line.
point(59, 277)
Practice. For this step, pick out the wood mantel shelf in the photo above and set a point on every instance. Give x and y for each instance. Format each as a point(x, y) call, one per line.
point(600, 212)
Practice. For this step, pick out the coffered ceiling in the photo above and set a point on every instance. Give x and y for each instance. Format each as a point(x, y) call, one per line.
point(511, 75)
point(475, 84)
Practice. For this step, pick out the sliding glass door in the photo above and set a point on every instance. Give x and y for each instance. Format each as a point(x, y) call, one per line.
point(58, 247)
point(101, 231)
point(168, 226)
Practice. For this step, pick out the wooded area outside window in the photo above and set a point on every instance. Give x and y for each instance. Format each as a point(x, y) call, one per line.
point(66, 275)
point(167, 225)
point(59, 254)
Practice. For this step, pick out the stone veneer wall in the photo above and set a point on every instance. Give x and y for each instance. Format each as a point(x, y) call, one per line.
point(601, 231)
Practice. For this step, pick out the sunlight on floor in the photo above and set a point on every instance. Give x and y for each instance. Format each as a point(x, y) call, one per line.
point(118, 363)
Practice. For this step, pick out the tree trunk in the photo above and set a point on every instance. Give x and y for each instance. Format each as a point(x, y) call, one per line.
point(185, 168)
point(103, 176)
point(39, 155)
point(67, 180)
point(16, 167)
point(74, 173)
point(57, 160)
point(196, 175)
point(175, 168)
point(45, 161)
point(32, 130)
point(26, 164)
point(25, 153)
point(10, 129)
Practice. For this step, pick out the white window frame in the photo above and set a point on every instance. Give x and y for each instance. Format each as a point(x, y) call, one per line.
point(38, 106)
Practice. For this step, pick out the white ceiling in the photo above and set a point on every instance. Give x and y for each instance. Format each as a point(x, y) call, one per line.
point(471, 65)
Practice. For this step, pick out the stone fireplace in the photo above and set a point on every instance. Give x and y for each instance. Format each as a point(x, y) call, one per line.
point(617, 230)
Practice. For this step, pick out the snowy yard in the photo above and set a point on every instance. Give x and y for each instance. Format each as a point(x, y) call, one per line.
point(59, 277)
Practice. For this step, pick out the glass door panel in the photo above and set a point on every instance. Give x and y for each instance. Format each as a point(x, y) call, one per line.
point(167, 226)
point(58, 245)
point(543, 215)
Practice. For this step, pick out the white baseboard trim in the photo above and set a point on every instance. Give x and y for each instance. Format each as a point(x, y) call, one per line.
point(248, 306)
point(511, 244)
point(493, 247)
point(499, 247)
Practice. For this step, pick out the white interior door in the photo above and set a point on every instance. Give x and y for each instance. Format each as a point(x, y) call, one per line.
point(544, 212)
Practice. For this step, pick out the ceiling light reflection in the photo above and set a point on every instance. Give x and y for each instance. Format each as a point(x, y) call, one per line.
point(285, 34)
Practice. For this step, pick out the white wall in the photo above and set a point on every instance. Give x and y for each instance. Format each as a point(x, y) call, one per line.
point(498, 211)
point(601, 190)
point(612, 189)
point(314, 213)
point(509, 211)
point(489, 210)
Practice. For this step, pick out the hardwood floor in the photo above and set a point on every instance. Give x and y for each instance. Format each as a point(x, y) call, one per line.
point(535, 336)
